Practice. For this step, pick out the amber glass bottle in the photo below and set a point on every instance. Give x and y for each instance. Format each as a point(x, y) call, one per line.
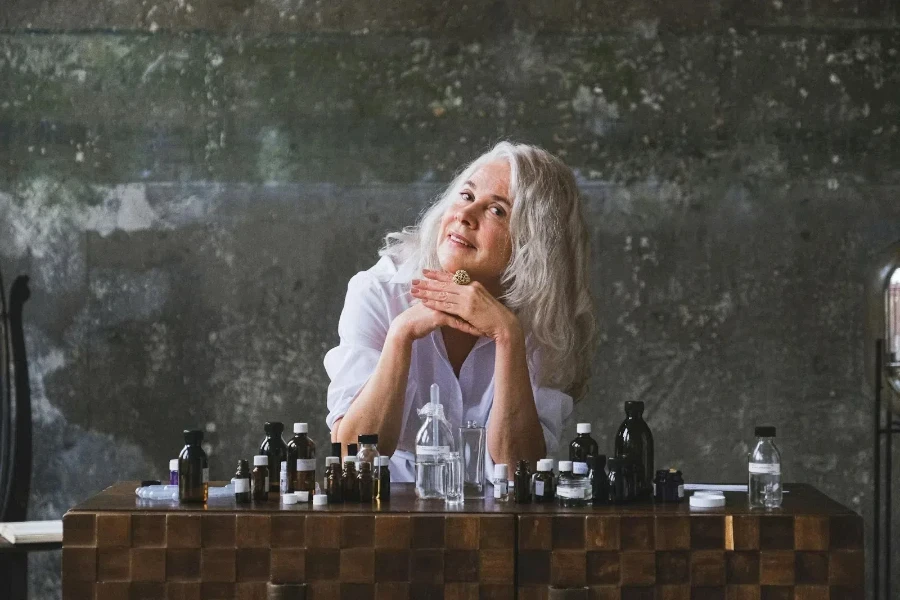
point(351, 482)
point(334, 480)
point(366, 482)
point(302, 451)
point(635, 440)
point(542, 488)
point(522, 478)
point(383, 481)
point(259, 478)
point(193, 469)
point(583, 445)
point(275, 448)
point(242, 483)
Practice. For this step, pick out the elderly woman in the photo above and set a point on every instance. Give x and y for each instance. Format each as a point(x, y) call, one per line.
point(510, 349)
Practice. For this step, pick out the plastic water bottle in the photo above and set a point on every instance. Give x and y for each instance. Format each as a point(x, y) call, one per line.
point(764, 486)
point(434, 443)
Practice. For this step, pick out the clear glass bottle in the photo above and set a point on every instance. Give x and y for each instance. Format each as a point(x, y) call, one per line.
point(368, 450)
point(193, 469)
point(764, 486)
point(453, 480)
point(501, 483)
point(542, 482)
point(275, 448)
point(635, 440)
point(572, 490)
point(434, 443)
point(334, 480)
point(565, 466)
point(472, 443)
point(583, 445)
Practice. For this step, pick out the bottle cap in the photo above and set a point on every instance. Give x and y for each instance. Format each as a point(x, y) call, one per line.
point(303, 496)
point(332, 460)
point(289, 498)
point(613, 462)
point(352, 449)
point(501, 471)
point(765, 431)
point(173, 464)
point(703, 501)
point(273, 427)
point(336, 449)
point(260, 460)
point(320, 499)
point(583, 428)
point(545, 464)
point(383, 461)
point(351, 458)
point(284, 465)
point(565, 465)
point(369, 438)
point(193, 436)
point(634, 407)
point(301, 427)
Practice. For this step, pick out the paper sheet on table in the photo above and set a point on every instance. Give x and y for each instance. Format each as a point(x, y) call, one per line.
point(32, 532)
point(721, 487)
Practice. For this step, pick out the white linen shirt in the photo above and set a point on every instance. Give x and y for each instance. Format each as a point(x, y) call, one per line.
point(374, 298)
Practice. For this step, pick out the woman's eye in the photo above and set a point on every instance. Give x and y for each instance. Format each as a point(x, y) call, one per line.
point(498, 211)
point(467, 196)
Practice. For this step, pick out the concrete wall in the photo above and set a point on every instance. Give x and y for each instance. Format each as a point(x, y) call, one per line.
point(190, 184)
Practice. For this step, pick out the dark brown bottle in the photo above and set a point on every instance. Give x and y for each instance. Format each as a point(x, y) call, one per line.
point(275, 448)
point(302, 454)
point(542, 488)
point(523, 483)
point(242, 483)
point(383, 479)
point(334, 479)
point(635, 440)
point(583, 445)
point(259, 479)
point(351, 483)
point(366, 482)
point(193, 469)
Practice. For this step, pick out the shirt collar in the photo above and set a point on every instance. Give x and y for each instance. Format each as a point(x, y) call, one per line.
point(407, 271)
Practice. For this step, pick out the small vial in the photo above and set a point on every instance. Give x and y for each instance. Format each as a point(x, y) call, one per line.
point(284, 485)
point(173, 471)
point(583, 445)
point(242, 483)
point(366, 482)
point(351, 483)
point(522, 491)
point(384, 479)
point(334, 480)
point(193, 469)
point(501, 483)
point(764, 485)
point(368, 450)
point(542, 482)
point(259, 478)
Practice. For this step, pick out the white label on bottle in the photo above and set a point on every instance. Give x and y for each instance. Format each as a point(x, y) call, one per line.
point(206, 475)
point(241, 486)
point(283, 482)
point(306, 464)
point(569, 492)
point(681, 491)
point(432, 450)
point(765, 469)
point(538, 488)
point(500, 489)
point(267, 482)
point(580, 468)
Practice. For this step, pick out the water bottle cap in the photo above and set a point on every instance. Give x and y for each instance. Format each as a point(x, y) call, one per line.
point(193, 436)
point(370, 438)
point(501, 471)
point(565, 465)
point(583, 428)
point(260, 460)
point(273, 427)
point(301, 427)
point(320, 499)
point(173, 464)
point(289, 498)
point(634, 407)
point(765, 431)
point(332, 460)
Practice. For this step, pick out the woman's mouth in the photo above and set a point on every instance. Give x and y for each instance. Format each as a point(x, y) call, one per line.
point(458, 241)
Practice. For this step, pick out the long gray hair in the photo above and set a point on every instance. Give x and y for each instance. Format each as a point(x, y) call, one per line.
point(546, 282)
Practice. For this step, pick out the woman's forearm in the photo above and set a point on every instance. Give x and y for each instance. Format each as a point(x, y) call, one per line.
point(515, 431)
point(379, 406)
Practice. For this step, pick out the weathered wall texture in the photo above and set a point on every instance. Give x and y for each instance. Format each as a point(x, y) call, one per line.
point(191, 184)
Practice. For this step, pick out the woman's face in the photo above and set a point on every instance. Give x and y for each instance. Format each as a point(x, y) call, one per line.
point(475, 228)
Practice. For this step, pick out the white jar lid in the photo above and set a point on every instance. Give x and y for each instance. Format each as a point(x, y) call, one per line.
point(320, 499)
point(703, 501)
point(332, 460)
point(289, 498)
point(501, 471)
point(583, 428)
point(565, 465)
point(173, 464)
point(301, 427)
point(351, 458)
point(545, 464)
point(260, 460)
point(303, 496)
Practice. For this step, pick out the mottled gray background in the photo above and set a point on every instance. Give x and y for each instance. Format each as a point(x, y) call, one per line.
point(191, 183)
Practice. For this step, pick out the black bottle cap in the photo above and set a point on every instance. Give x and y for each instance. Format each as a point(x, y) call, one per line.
point(274, 427)
point(243, 465)
point(352, 449)
point(369, 438)
point(336, 449)
point(634, 407)
point(662, 473)
point(765, 431)
point(613, 462)
point(193, 436)
point(596, 461)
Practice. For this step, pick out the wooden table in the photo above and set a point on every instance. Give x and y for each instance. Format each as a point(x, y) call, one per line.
point(117, 546)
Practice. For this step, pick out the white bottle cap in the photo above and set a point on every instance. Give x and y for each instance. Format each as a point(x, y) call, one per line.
point(320, 499)
point(545, 464)
point(383, 461)
point(501, 471)
point(351, 458)
point(704, 501)
point(303, 496)
point(332, 460)
point(565, 465)
point(289, 498)
point(583, 428)
point(173, 464)
point(260, 460)
point(301, 428)
point(284, 466)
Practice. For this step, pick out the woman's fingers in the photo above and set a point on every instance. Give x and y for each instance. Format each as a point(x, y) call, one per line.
point(440, 296)
point(437, 275)
point(458, 323)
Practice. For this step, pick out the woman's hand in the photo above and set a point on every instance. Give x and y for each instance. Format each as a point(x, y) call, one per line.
point(419, 320)
point(471, 303)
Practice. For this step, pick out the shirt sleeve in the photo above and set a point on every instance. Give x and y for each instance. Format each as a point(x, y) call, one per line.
point(362, 329)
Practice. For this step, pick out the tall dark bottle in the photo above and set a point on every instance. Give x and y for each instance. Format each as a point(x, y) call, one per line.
point(302, 461)
point(635, 440)
point(584, 445)
point(193, 469)
point(275, 448)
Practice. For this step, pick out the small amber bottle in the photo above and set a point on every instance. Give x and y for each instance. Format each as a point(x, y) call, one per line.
point(334, 480)
point(193, 469)
point(351, 483)
point(259, 478)
point(542, 489)
point(275, 448)
point(383, 481)
point(523, 483)
point(242, 483)
point(366, 482)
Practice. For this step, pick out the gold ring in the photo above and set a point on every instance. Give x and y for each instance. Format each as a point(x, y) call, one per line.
point(461, 278)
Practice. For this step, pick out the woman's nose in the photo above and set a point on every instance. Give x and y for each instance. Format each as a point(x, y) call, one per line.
point(466, 216)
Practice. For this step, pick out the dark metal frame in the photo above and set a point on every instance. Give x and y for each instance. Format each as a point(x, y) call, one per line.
point(885, 430)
